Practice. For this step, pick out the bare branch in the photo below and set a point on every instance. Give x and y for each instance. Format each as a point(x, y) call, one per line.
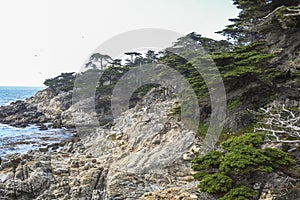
point(281, 124)
point(292, 14)
point(296, 12)
point(268, 17)
point(273, 12)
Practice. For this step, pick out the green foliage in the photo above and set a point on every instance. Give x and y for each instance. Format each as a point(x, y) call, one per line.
point(244, 159)
point(237, 65)
point(279, 159)
point(200, 174)
point(105, 89)
point(244, 60)
point(234, 104)
point(190, 46)
point(216, 183)
point(210, 160)
point(202, 128)
point(239, 193)
point(86, 81)
point(151, 56)
point(236, 142)
point(245, 29)
point(209, 45)
point(63, 82)
point(97, 57)
point(227, 171)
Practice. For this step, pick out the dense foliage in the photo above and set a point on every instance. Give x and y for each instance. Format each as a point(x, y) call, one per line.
point(63, 82)
point(231, 171)
point(246, 27)
point(250, 60)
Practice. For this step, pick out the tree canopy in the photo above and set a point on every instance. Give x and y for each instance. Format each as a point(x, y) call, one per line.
point(246, 27)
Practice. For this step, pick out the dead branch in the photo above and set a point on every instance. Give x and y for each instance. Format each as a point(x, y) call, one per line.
point(296, 12)
point(281, 124)
point(272, 13)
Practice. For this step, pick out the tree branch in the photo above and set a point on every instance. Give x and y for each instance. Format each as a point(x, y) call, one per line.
point(280, 123)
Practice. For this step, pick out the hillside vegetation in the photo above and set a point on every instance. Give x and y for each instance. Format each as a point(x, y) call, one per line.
point(258, 151)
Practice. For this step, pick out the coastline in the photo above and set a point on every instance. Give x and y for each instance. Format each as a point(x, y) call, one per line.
point(106, 163)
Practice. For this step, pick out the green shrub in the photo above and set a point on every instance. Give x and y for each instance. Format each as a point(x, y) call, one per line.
point(245, 159)
point(239, 193)
point(279, 159)
point(210, 160)
point(230, 172)
point(250, 139)
point(216, 183)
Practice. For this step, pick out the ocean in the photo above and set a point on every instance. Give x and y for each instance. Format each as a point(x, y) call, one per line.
point(20, 140)
point(9, 94)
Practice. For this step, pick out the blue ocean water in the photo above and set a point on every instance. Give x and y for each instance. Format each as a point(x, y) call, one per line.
point(20, 140)
point(9, 94)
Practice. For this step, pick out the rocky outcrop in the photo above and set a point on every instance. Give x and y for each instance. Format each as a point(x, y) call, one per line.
point(145, 155)
point(151, 149)
point(20, 114)
point(49, 176)
point(44, 107)
point(54, 109)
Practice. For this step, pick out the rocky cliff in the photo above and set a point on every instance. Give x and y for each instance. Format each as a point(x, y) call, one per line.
point(146, 154)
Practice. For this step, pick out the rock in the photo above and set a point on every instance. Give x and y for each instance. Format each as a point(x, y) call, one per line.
point(42, 127)
point(46, 106)
point(187, 156)
point(127, 161)
point(44, 149)
point(3, 177)
point(171, 193)
point(6, 163)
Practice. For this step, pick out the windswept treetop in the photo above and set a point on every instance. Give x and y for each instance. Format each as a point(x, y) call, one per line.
point(246, 27)
point(101, 58)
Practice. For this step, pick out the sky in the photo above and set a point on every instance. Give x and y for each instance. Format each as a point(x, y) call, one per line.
point(39, 39)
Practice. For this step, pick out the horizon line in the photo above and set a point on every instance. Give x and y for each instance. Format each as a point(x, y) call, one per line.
point(37, 86)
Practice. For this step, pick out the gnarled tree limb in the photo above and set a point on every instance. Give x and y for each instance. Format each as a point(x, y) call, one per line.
point(281, 124)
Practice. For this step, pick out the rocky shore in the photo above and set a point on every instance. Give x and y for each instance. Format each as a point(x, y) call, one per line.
point(44, 107)
point(145, 154)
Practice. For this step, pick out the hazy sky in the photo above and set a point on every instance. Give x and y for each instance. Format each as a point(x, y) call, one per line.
point(39, 39)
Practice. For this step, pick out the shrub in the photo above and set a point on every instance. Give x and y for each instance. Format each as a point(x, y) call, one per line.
point(239, 193)
point(230, 172)
point(215, 183)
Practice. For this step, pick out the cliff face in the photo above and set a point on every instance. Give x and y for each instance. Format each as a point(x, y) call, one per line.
point(146, 154)
point(149, 152)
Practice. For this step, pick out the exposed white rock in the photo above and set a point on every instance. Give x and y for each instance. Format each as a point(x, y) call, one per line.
point(145, 151)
